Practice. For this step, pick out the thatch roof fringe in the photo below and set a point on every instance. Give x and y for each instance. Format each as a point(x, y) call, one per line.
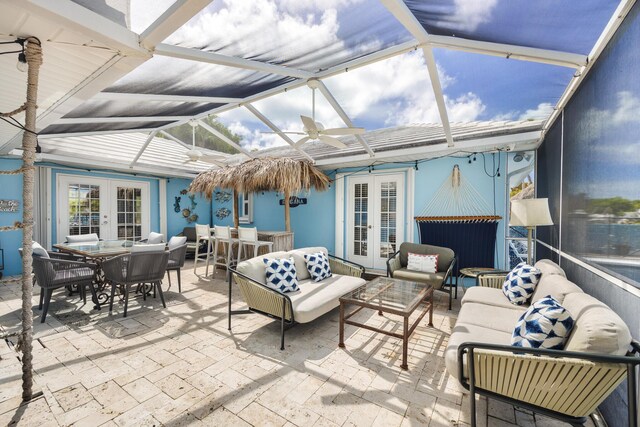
point(284, 175)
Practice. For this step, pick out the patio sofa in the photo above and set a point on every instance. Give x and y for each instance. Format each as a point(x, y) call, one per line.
point(566, 384)
point(305, 305)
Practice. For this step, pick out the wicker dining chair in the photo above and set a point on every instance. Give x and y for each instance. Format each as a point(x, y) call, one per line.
point(54, 273)
point(135, 269)
point(177, 254)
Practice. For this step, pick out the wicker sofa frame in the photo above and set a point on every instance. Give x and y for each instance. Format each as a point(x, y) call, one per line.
point(273, 304)
point(564, 385)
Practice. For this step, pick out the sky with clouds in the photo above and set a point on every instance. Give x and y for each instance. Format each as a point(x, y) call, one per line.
point(314, 34)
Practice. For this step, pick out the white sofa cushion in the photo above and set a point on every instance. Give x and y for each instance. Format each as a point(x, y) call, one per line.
point(548, 267)
point(490, 316)
point(597, 328)
point(301, 264)
point(464, 332)
point(254, 267)
point(556, 285)
point(317, 298)
point(489, 296)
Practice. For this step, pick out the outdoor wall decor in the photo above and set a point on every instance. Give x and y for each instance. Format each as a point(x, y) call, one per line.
point(187, 213)
point(9, 205)
point(295, 201)
point(222, 213)
point(223, 196)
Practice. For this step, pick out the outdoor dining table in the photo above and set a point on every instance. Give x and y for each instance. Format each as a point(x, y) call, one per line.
point(97, 252)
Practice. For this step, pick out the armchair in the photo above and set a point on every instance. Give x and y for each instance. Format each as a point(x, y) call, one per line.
point(397, 267)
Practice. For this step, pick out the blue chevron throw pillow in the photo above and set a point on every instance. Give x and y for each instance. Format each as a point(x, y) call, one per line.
point(546, 324)
point(281, 274)
point(318, 266)
point(520, 283)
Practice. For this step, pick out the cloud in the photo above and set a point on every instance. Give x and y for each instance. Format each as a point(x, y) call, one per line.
point(543, 111)
point(628, 109)
point(469, 14)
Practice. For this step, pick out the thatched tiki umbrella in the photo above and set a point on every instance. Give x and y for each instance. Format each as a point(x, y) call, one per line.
point(284, 175)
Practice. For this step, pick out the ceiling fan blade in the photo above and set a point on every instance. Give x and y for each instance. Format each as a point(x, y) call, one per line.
point(187, 161)
point(309, 124)
point(213, 160)
point(301, 141)
point(343, 131)
point(329, 140)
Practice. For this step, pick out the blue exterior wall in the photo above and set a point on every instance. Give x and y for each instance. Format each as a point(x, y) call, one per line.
point(314, 224)
point(10, 241)
point(175, 220)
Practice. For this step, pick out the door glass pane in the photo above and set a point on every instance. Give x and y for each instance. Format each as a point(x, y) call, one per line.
point(360, 223)
point(388, 199)
point(84, 209)
point(129, 213)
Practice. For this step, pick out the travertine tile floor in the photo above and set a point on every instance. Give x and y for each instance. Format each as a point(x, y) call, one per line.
point(180, 366)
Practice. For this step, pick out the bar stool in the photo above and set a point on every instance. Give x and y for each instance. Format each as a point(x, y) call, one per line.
point(222, 236)
point(249, 237)
point(203, 234)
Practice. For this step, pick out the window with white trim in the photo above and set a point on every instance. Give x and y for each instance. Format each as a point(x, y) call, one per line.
point(245, 204)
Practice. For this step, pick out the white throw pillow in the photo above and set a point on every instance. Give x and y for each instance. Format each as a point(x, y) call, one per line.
point(422, 263)
point(520, 283)
point(546, 324)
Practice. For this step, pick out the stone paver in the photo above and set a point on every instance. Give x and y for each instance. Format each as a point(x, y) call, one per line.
point(181, 366)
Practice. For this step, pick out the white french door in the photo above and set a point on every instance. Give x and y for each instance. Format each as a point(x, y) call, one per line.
point(375, 218)
point(112, 208)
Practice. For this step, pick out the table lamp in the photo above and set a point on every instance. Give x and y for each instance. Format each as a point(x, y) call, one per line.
point(530, 213)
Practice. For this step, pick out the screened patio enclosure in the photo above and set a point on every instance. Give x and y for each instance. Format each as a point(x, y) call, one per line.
point(375, 64)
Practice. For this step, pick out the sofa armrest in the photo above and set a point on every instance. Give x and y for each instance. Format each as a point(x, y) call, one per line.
point(344, 267)
point(261, 298)
point(393, 264)
point(491, 279)
point(569, 383)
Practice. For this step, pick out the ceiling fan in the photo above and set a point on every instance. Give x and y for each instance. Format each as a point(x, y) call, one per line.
point(314, 130)
point(196, 155)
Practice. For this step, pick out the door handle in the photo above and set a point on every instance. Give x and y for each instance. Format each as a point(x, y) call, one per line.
point(370, 226)
point(105, 222)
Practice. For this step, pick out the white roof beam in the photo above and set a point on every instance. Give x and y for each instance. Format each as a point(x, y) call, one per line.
point(74, 17)
point(563, 59)
point(77, 120)
point(144, 147)
point(229, 61)
point(410, 22)
point(137, 97)
point(172, 19)
point(91, 133)
point(343, 115)
point(276, 129)
point(223, 137)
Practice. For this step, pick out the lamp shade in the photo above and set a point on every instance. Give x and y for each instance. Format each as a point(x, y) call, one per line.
point(530, 212)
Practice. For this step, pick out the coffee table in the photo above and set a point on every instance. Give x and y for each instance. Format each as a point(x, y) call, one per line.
point(393, 296)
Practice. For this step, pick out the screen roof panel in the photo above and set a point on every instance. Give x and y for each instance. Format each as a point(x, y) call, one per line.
point(100, 127)
point(108, 108)
point(298, 34)
point(174, 76)
point(568, 26)
point(494, 88)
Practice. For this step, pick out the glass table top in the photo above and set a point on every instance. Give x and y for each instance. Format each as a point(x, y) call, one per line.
point(390, 294)
point(98, 249)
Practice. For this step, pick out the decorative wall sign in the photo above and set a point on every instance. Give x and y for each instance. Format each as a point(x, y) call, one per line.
point(295, 201)
point(222, 213)
point(9, 205)
point(223, 196)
